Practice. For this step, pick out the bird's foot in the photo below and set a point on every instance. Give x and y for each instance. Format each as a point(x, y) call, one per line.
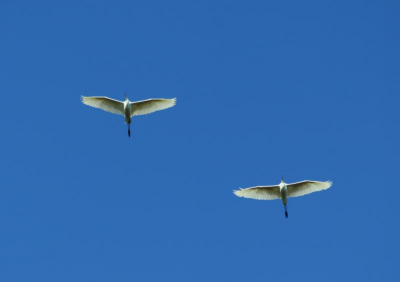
point(129, 133)
point(286, 214)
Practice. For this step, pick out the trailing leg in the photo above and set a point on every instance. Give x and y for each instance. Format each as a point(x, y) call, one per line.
point(129, 129)
point(286, 213)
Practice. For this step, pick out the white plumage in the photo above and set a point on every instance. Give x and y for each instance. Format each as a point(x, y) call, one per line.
point(259, 192)
point(283, 190)
point(128, 108)
point(105, 103)
point(151, 105)
point(307, 187)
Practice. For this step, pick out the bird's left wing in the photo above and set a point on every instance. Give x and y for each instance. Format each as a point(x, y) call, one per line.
point(151, 105)
point(259, 192)
point(306, 187)
point(105, 103)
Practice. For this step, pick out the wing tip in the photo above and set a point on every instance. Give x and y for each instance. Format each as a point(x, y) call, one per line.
point(85, 100)
point(173, 101)
point(237, 192)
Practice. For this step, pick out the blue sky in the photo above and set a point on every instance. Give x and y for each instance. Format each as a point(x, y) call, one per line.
point(300, 89)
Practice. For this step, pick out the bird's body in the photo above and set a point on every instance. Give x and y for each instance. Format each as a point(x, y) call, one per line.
point(284, 194)
point(127, 111)
point(127, 108)
point(283, 191)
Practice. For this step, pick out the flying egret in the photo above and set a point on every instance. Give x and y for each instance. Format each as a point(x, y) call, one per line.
point(283, 191)
point(128, 108)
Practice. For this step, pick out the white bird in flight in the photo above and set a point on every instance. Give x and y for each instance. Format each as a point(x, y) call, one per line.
point(283, 191)
point(128, 108)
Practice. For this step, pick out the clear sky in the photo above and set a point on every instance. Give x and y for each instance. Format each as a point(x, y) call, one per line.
point(300, 89)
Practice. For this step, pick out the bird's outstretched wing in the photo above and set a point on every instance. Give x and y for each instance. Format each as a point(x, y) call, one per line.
point(306, 187)
point(151, 105)
point(105, 103)
point(259, 192)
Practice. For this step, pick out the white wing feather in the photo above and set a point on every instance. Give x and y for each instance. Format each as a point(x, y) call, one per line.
point(105, 103)
point(151, 105)
point(259, 192)
point(306, 187)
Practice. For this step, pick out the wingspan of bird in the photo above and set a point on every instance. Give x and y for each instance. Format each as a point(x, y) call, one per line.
point(151, 105)
point(306, 187)
point(105, 103)
point(259, 192)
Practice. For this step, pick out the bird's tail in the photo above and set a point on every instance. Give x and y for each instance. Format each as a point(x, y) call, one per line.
point(286, 213)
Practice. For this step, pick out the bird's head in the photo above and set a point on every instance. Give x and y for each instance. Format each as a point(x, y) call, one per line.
point(282, 180)
point(126, 97)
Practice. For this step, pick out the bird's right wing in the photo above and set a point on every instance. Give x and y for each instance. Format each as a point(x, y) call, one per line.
point(259, 192)
point(151, 105)
point(306, 187)
point(105, 103)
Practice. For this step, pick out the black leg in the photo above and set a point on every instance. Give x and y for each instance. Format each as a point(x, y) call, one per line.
point(286, 213)
point(129, 129)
